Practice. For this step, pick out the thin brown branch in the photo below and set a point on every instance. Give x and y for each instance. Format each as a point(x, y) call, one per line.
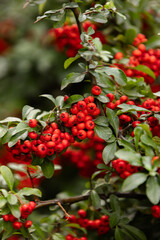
point(76, 14)
point(75, 199)
point(66, 214)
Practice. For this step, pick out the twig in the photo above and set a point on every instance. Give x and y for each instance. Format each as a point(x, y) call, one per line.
point(76, 14)
point(60, 205)
point(75, 199)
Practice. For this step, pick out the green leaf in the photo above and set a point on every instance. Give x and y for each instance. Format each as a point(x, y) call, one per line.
point(15, 210)
point(102, 98)
point(58, 236)
point(90, 31)
point(146, 128)
point(3, 201)
point(115, 204)
point(96, 201)
point(119, 75)
point(72, 99)
point(158, 95)
point(138, 131)
point(26, 110)
point(33, 113)
point(26, 191)
point(3, 131)
point(70, 60)
point(147, 162)
point(77, 226)
point(145, 69)
point(103, 132)
point(113, 219)
point(47, 168)
point(133, 181)
point(153, 42)
point(101, 121)
point(8, 227)
point(14, 139)
point(130, 108)
point(132, 157)
point(48, 96)
point(8, 135)
point(109, 152)
point(138, 234)
point(11, 119)
point(153, 190)
point(12, 199)
point(72, 78)
point(119, 235)
point(125, 144)
point(148, 141)
point(113, 120)
point(130, 34)
point(8, 176)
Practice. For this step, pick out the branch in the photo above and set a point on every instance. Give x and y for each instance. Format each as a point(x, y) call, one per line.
point(80, 198)
point(76, 14)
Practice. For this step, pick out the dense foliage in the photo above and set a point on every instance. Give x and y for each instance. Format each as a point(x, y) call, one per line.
point(89, 167)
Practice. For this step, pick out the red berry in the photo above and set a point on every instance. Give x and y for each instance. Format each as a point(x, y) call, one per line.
point(28, 224)
point(96, 90)
point(17, 225)
point(90, 125)
point(110, 96)
point(118, 55)
point(32, 123)
point(81, 134)
point(64, 117)
point(82, 213)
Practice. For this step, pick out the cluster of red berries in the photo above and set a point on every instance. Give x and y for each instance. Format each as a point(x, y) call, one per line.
point(85, 156)
point(68, 37)
point(149, 58)
point(123, 168)
point(54, 140)
point(71, 237)
point(26, 210)
point(100, 225)
point(155, 211)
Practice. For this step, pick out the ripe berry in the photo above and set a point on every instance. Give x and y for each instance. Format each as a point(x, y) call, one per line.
point(82, 213)
point(32, 123)
point(118, 55)
point(110, 96)
point(64, 117)
point(81, 134)
point(28, 224)
point(17, 225)
point(90, 125)
point(81, 105)
point(6, 218)
point(96, 90)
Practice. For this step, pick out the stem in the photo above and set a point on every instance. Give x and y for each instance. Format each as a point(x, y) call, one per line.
point(75, 199)
point(60, 205)
point(76, 14)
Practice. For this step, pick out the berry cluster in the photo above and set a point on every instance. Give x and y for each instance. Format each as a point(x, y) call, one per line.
point(68, 37)
point(156, 211)
point(100, 225)
point(123, 168)
point(85, 156)
point(71, 237)
point(26, 210)
point(54, 138)
point(149, 58)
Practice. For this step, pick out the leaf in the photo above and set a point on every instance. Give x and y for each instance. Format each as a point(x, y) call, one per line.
point(113, 120)
point(72, 78)
point(109, 152)
point(8, 227)
point(77, 226)
point(133, 181)
point(11, 119)
point(130, 108)
point(135, 232)
point(8, 135)
point(113, 219)
point(153, 42)
point(33, 113)
point(26, 110)
point(70, 60)
point(103, 132)
point(148, 141)
point(132, 157)
point(158, 95)
point(48, 96)
point(72, 99)
point(8, 176)
point(102, 98)
point(101, 121)
point(58, 236)
point(3, 201)
point(130, 34)
point(145, 69)
point(146, 128)
point(15, 210)
point(90, 31)
point(114, 203)
point(119, 235)
point(138, 131)
point(3, 131)
point(125, 144)
point(26, 191)
point(47, 168)
point(12, 199)
point(14, 139)
point(96, 201)
point(119, 75)
point(153, 190)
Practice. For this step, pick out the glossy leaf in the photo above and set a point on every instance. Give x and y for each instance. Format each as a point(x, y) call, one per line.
point(153, 190)
point(133, 181)
point(47, 168)
point(103, 132)
point(113, 120)
point(132, 157)
point(8, 176)
point(109, 152)
point(72, 78)
point(26, 191)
